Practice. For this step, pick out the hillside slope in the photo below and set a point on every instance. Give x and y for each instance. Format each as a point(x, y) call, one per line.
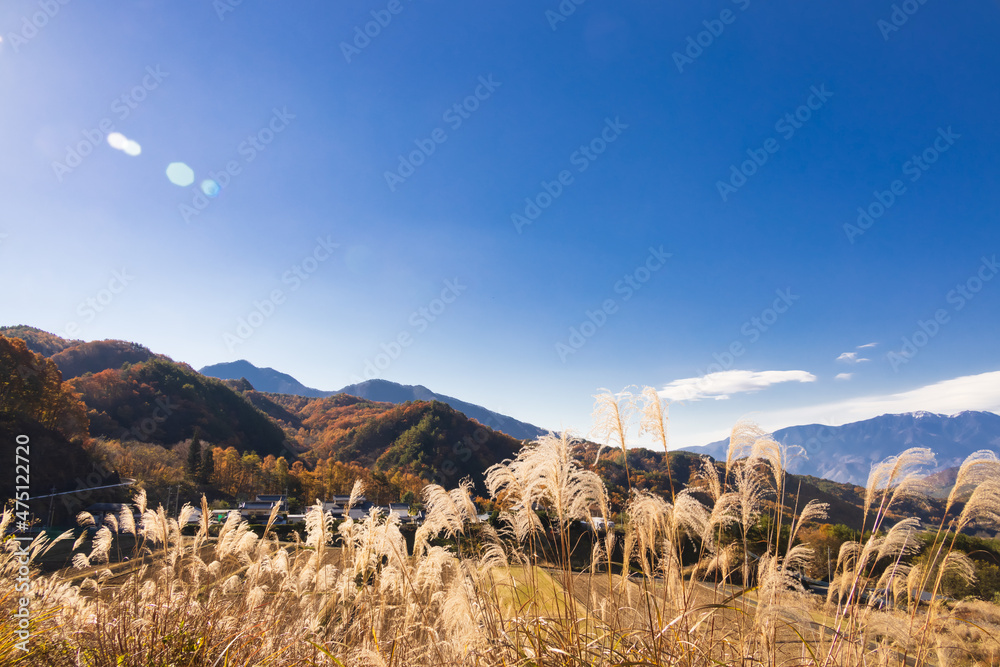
point(163, 402)
point(392, 392)
point(428, 439)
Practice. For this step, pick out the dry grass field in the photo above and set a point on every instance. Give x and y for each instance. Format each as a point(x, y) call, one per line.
point(358, 596)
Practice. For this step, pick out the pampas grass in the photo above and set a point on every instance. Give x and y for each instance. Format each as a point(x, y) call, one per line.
point(676, 584)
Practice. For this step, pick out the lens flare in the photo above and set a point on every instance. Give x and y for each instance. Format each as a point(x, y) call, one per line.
point(132, 148)
point(180, 174)
point(117, 140)
point(210, 188)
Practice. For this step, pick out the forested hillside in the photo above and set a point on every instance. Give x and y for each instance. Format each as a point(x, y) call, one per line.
point(147, 417)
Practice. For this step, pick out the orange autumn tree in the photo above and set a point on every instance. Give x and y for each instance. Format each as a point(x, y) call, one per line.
point(31, 387)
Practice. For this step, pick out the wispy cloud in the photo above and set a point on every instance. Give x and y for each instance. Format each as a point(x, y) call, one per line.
point(720, 386)
point(969, 392)
point(851, 358)
point(861, 347)
point(844, 376)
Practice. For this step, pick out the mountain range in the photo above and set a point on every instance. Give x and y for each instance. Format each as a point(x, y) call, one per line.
point(272, 381)
point(124, 394)
point(846, 453)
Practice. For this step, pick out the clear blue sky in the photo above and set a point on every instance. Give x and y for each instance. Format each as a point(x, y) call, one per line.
point(310, 128)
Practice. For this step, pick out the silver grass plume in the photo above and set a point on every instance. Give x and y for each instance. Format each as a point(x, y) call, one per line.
point(813, 511)
point(506, 486)
point(983, 505)
point(203, 524)
point(741, 439)
point(612, 414)
point(654, 418)
point(546, 473)
point(449, 511)
point(80, 540)
point(691, 515)
point(708, 472)
point(652, 521)
point(895, 477)
point(977, 468)
point(959, 564)
point(126, 520)
point(768, 450)
point(101, 546)
point(319, 525)
point(356, 492)
point(140, 501)
point(894, 580)
point(750, 494)
point(900, 540)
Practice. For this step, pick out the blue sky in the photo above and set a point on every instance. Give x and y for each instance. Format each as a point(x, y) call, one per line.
point(615, 122)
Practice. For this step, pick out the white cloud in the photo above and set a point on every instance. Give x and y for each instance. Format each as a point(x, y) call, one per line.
point(851, 358)
point(970, 392)
point(861, 347)
point(720, 386)
point(844, 376)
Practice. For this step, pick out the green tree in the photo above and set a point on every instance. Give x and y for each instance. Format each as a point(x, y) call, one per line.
point(207, 468)
point(194, 456)
point(409, 498)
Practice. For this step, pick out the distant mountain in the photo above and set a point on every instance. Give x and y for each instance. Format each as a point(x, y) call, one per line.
point(262, 379)
point(268, 380)
point(846, 453)
point(391, 392)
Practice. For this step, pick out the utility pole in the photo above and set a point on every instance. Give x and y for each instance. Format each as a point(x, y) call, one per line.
point(51, 509)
